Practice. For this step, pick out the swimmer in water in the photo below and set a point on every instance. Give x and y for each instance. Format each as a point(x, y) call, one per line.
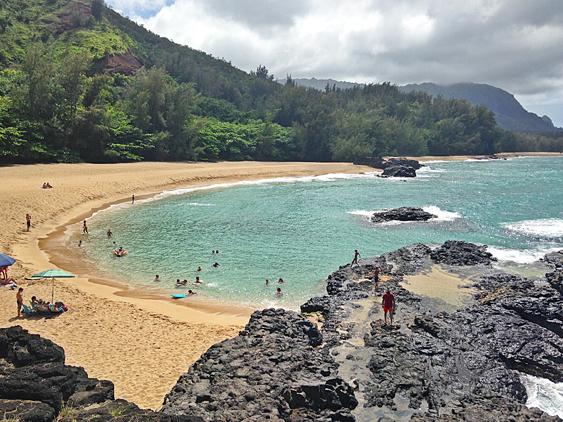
point(279, 292)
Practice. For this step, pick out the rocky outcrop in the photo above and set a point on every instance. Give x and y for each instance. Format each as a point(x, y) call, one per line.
point(459, 253)
point(402, 214)
point(555, 259)
point(382, 163)
point(35, 385)
point(399, 171)
point(273, 370)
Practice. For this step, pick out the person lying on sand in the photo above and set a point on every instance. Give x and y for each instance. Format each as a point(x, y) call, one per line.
point(5, 282)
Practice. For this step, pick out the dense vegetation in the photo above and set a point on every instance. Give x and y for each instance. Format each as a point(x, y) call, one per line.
point(78, 82)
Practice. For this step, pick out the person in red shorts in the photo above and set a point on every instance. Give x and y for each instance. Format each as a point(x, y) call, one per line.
point(388, 303)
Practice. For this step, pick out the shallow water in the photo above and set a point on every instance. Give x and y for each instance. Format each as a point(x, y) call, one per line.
point(302, 229)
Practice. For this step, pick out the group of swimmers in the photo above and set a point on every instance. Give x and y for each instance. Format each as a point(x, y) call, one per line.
point(279, 292)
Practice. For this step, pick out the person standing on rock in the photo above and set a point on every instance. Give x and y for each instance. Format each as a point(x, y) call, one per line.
point(375, 274)
point(356, 256)
point(388, 302)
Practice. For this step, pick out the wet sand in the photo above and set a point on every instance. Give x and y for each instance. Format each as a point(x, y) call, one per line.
point(141, 343)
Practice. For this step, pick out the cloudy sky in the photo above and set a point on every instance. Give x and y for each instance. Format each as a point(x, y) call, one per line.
point(516, 45)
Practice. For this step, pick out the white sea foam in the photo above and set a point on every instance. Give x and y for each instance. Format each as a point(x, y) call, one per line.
point(519, 256)
point(441, 214)
point(324, 178)
point(428, 169)
point(544, 394)
point(548, 227)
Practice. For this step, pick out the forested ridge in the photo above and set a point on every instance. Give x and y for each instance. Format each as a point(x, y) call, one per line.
point(79, 82)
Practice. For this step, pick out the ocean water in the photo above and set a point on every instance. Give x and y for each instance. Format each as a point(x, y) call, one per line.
point(302, 229)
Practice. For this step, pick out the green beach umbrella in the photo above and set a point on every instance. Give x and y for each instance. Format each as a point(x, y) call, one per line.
point(52, 274)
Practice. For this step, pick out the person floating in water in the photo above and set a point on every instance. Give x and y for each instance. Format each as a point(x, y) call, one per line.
point(216, 265)
point(388, 303)
point(356, 256)
point(375, 274)
point(84, 228)
point(198, 269)
point(281, 281)
point(157, 278)
point(191, 293)
point(80, 243)
point(110, 233)
point(198, 281)
point(267, 282)
point(279, 292)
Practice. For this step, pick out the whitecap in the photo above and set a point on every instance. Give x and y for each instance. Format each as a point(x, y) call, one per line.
point(519, 256)
point(544, 394)
point(443, 215)
point(548, 227)
point(428, 169)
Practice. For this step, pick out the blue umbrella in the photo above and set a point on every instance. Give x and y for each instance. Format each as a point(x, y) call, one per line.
point(5, 260)
point(53, 274)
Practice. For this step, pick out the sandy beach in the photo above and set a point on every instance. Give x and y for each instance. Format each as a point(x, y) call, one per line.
point(142, 345)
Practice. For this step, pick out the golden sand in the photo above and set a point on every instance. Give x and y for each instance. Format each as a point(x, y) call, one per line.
point(142, 345)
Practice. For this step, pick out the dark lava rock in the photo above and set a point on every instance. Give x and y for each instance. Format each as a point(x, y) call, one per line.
point(399, 171)
point(460, 253)
point(381, 163)
point(555, 259)
point(409, 259)
point(35, 385)
point(272, 371)
point(402, 214)
point(26, 410)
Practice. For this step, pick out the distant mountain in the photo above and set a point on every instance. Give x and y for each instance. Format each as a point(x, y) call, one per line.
point(509, 113)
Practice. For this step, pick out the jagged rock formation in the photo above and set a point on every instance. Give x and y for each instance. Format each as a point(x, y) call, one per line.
point(35, 385)
point(272, 371)
point(432, 366)
point(402, 214)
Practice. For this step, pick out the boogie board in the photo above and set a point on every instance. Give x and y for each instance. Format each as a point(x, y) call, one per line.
point(178, 296)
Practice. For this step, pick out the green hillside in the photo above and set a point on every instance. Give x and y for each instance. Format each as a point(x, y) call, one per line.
point(79, 82)
point(509, 113)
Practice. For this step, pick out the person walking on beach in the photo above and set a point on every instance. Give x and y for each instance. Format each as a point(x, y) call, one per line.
point(28, 221)
point(19, 298)
point(375, 274)
point(388, 303)
point(133, 199)
point(356, 256)
point(84, 228)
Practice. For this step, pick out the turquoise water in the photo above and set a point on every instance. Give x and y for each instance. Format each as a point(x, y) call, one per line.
point(302, 229)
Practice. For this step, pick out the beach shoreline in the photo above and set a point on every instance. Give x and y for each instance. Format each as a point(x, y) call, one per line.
point(142, 344)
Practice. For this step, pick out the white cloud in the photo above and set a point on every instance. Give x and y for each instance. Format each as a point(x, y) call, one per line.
point(511, 44)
